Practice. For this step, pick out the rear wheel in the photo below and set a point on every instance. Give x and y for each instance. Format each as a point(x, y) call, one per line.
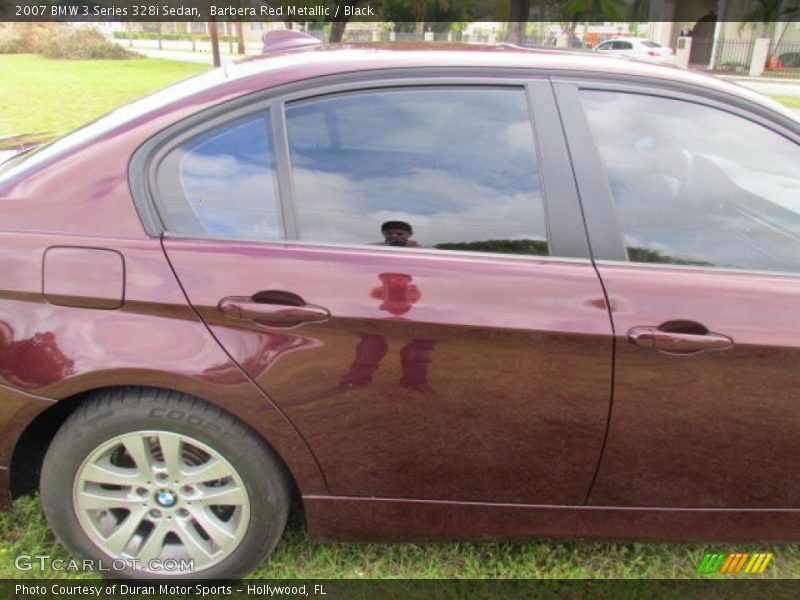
point(151, 483)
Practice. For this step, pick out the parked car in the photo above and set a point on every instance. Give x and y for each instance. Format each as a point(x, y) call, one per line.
point(634, 47)
point(211, 308)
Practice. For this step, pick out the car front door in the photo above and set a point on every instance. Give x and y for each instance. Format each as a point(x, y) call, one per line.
point(473, 363)
point(694, 218)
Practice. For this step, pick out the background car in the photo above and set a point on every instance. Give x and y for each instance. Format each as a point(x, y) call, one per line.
point(637, 48)
point(594, 334)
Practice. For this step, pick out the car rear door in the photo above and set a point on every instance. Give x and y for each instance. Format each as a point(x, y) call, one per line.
point(474, 366)
point(693, 213)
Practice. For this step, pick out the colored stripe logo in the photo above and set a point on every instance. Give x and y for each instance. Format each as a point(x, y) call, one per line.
point(735, 562)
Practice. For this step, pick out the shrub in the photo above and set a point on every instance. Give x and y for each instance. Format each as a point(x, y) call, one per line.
point(169, 36)
point(58, 40)
point(737, 67)
point(791, 60)
point(24, 38)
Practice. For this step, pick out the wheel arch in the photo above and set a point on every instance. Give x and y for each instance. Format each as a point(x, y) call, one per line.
point(30, 448)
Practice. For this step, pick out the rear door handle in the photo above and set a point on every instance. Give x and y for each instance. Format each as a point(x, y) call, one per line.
point(671, 342)
point(271, 314)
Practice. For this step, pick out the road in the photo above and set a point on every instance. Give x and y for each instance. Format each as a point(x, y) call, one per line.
point(180, 50)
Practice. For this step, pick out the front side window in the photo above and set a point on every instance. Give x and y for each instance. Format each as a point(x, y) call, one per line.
point(696, 185)
point(452, 169)
point(222, 182)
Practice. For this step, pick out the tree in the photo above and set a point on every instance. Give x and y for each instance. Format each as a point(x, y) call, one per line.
point(768, 13)
point(438, 15)
point(570, 13)
point(518, 12)
point(214, 34)
point(422, 11)
point(340, 21)
point(240, 36)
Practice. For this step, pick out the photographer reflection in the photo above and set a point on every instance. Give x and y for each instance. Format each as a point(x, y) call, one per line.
point(397, 233)
point(397, 294)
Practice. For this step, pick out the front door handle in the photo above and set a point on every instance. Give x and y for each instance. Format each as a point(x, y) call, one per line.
point(675, 342)
point(272, 314)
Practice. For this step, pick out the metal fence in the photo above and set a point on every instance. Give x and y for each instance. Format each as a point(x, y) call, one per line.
point(736, 56)
point(784, 62)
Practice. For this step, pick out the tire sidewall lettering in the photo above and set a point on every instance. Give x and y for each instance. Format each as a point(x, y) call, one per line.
point(194, 421)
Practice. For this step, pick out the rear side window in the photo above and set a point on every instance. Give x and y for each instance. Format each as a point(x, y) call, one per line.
point(222, 182)
point(696, 185)
point(457, 165)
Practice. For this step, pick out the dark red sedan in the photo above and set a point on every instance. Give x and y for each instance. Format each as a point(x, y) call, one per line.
point(427, 293)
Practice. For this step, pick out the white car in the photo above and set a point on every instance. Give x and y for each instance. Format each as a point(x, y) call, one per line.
point(637, 48)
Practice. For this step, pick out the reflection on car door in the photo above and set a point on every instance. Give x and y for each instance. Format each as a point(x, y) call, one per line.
point(475, 366)
point(707, 369)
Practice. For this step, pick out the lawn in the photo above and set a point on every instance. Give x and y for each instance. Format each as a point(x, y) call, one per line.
point(790, 101)
point(38, 94)
point(24, 531)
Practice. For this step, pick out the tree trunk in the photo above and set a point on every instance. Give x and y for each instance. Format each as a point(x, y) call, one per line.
point(517, 20)
point(240, 35)
point(212, 31)
point(337, 31)
point(158, 30)
point(420, 30)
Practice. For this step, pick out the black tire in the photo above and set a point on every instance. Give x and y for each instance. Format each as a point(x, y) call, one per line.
point(158, 416)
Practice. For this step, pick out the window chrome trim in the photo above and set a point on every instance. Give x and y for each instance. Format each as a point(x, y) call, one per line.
point(412, 251)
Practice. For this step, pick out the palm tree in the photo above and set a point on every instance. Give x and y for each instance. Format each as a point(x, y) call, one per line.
point(768, 13)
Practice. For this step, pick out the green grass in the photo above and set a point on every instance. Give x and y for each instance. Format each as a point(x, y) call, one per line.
point(25, 531)
point(38, 94)
point(790, 101)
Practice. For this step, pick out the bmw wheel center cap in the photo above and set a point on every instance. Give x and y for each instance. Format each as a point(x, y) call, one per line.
point(166, 498)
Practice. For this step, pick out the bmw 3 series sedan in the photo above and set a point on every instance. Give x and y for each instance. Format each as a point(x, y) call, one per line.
point(424, 293)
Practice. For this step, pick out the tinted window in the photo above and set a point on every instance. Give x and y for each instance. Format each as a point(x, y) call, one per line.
point(605, 46)
point(623, 46)
point(697, 185)
point(222, 182)
point(648, 44)
point(458, 165)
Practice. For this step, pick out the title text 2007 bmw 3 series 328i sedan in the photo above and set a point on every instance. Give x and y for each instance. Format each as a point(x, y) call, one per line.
point(427, 293)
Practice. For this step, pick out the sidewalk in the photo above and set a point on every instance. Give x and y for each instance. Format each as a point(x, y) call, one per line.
point(767, 85)
point(182, 50)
